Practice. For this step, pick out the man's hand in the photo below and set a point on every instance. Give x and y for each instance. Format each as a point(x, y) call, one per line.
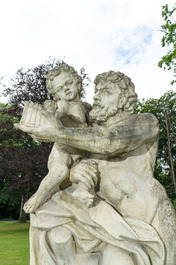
point(86, 172)
point(86, 175)
point(41, 133)
point(38, 123)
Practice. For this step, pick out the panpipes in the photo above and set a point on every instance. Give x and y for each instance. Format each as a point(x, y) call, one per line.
point(33, 114)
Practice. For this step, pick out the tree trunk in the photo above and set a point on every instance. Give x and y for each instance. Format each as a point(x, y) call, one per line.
point(172, 128)
point(169, 148)
point(22, 215)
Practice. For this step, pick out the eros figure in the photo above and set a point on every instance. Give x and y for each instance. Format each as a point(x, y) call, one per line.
point(130, 220)
point(65, 85)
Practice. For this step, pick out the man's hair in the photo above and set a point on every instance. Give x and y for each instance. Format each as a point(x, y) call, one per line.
point(56, 71)
point(127, 87)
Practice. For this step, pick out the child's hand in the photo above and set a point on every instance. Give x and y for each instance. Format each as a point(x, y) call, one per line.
point(83, 196)
point(49, 106)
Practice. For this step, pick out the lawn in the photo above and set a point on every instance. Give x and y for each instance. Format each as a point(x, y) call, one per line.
point(14, 243)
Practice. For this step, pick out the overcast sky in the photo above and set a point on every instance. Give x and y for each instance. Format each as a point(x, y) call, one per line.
point(102, 35)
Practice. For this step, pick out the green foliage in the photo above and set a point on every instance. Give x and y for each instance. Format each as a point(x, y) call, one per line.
point(168, 61)
point(86, 81)
point(30, 85)
point(164, 109)
point(23, 164)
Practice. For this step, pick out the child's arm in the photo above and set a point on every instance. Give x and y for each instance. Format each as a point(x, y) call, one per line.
point(85, 174)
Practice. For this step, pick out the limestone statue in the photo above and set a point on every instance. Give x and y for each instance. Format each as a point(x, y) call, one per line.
point(110, 210)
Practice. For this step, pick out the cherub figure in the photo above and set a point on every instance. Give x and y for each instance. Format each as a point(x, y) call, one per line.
point(65, 85)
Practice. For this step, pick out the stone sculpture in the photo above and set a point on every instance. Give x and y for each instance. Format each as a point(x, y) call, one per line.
point(111, 209)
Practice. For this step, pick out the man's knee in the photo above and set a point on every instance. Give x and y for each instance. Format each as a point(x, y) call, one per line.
point(116, 256)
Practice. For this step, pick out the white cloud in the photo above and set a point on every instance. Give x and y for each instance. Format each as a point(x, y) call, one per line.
point(101, 34)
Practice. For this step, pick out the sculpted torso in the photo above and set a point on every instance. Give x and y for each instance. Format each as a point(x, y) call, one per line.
point(127, 183)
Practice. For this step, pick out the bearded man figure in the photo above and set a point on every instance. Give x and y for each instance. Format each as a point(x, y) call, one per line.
point(130, 220)
point(118, 90)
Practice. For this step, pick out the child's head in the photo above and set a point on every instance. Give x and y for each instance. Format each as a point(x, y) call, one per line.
point(63, 82)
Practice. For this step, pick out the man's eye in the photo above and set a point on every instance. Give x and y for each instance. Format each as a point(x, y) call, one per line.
point(69, 83)
point(59, 87)
point(105, 90)
point(109, 91)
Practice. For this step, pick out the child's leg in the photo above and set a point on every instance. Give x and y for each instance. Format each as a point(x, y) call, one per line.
point(58, 165)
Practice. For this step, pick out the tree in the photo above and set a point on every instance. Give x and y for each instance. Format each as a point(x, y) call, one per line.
point(168, 61)
point(31, 84)
point(24, 161)
point(164, 109)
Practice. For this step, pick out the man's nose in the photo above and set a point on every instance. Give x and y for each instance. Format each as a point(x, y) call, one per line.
point(66, 87)
point(95, 97)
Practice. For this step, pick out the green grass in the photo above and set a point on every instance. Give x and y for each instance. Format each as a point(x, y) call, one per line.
point(14, 243)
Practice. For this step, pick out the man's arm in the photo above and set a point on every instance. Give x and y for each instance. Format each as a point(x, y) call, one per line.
point(120, 138)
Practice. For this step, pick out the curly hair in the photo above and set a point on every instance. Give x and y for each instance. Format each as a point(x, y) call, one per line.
point(127, 87)
point(57, 71)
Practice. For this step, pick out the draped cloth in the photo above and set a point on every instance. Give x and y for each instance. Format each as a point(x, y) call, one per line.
point(91, 228)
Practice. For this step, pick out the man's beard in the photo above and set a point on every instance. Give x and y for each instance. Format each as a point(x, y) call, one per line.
point(101, 113)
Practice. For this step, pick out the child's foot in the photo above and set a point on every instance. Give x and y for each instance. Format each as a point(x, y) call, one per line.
point(33, 203)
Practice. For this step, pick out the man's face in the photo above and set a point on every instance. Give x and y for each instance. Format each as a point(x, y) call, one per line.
point(106, 101)
point(64, 87)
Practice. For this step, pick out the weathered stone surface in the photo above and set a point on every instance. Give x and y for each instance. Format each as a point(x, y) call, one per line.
point(112, 210)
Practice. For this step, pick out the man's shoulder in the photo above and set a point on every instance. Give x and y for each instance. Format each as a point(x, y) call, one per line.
point(137, 120)
point(149, 117)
